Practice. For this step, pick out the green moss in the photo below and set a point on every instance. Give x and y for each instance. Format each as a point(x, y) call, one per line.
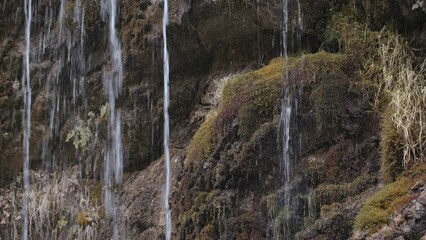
point(330, 193)
point(91, 13)
point(391, 149)
point(253, 98)
point(202, 217)
point(265, 97)
point(370, 217)
point(377, 210)
point(311, 68)
point(328, 101)
point(203, 142)
point(355, 38)
point(248, 121)
point(69, 21)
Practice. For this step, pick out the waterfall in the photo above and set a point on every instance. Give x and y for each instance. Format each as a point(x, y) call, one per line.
point(285, 28)
point(168, 212)
point(292, 25)
point(26, 119)
point(113, 164)
point(286, 111)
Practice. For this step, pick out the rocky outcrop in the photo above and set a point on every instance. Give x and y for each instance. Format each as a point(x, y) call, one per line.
point(227, 180)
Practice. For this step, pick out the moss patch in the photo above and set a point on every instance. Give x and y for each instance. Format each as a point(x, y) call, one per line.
point(252, 99)
point(378, 209)
point(328, 100)
point(328, 194)
point(203, 142)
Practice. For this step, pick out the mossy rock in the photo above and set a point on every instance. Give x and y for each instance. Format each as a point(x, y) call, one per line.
point(327, 194)
point(378, 209)
point(252, 99)
point(203, 142)
point(328, 100)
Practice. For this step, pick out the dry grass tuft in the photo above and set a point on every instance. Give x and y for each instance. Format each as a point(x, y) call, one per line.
point(57, 204)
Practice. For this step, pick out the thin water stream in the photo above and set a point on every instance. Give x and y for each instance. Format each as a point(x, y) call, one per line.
point(166, 131)
point(283, 230)
point(27, 116)
point(113, 159)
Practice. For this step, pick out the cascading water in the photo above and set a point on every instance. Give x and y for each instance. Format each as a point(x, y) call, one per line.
point(65, 75)
point(286, 111)
point(168, 212)
point(26, 83)
point(113, 163)
point(283, 225)
point(285, 29)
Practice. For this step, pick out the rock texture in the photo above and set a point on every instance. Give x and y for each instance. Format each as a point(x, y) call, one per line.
point(236, 191)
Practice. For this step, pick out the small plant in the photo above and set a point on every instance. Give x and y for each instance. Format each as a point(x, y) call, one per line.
point(62, 223)
point(81, 134)
point(86, 139)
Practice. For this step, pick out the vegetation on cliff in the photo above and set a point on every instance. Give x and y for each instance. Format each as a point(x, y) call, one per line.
point(359, 89)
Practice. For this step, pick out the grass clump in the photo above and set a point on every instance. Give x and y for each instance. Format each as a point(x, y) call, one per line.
point(403, 82)
point(395, 77)
point(398, 80)
point(391, 149)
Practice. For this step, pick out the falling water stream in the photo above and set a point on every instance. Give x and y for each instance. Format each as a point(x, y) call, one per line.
point(27, 116)
point(168, 212)
point(286, 111)
point(70, 51)
point(283, 230)
point(113, 163)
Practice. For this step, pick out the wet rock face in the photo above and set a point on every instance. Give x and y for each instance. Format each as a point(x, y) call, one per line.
point(229, 195)
point(217, 194)
point(10, 89)
point(205, 38)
